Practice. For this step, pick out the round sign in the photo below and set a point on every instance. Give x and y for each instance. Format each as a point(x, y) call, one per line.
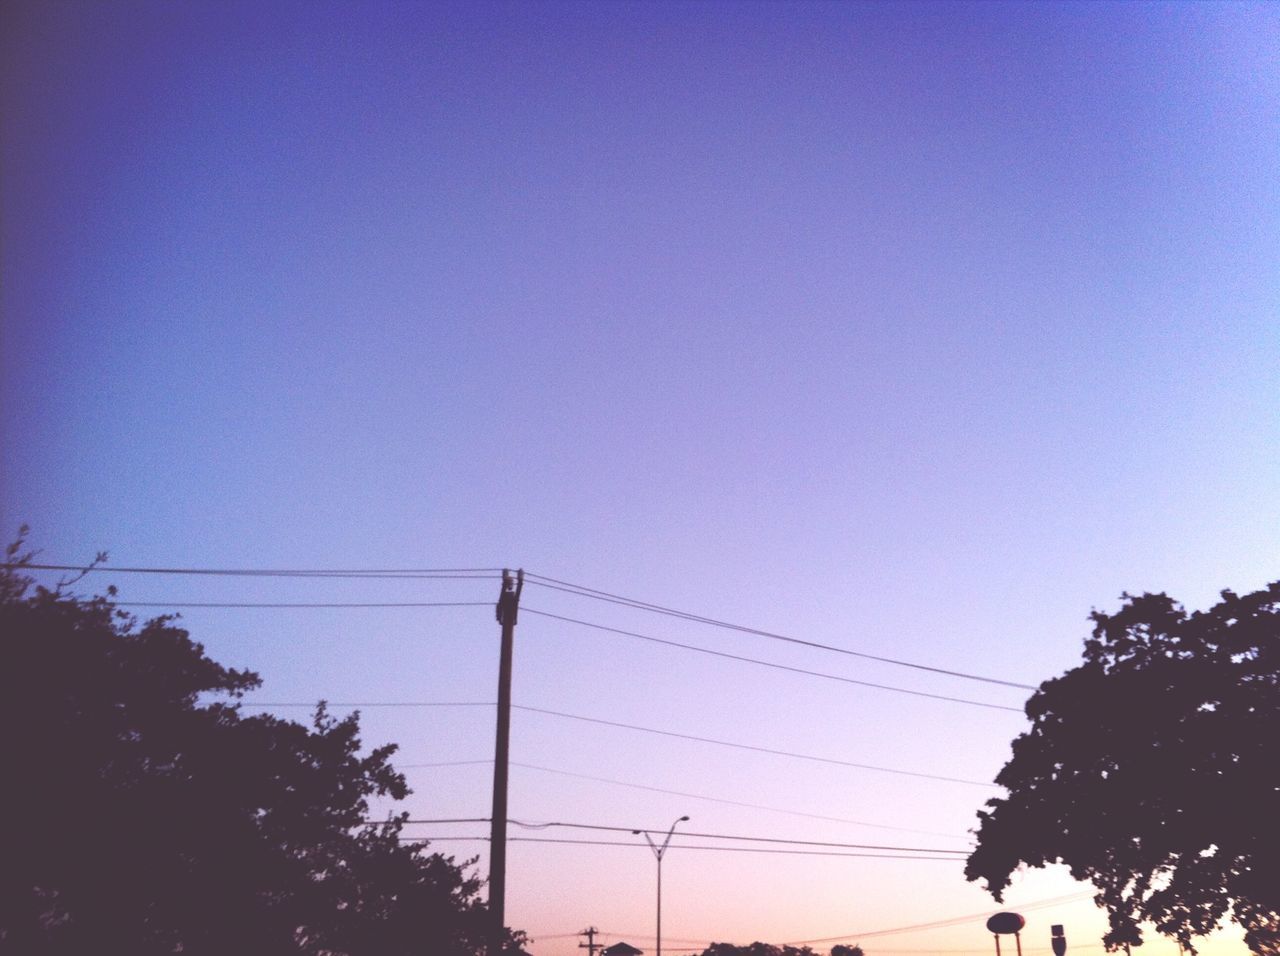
point(1006, 923)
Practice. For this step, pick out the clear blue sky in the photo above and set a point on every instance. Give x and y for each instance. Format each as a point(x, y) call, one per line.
point(918, 329)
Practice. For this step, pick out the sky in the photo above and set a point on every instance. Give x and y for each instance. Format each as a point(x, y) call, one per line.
point(916, 329)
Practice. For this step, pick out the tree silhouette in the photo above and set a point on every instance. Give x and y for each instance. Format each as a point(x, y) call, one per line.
point(1153, 771)
point(768, 949)
point(146, 814)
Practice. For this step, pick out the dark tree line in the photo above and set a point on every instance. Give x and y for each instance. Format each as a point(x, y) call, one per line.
point(146, 814)
point(767, 949)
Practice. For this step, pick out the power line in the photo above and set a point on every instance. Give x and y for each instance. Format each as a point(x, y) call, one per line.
point(776, 666)
point(751, 747)
point(383, 703)
point(982, 950)
point(648, 730)
point(938, 924)
point(978, 949)
point(492, 573)
point(540, 937)
point(570, 620)
point(598, 595)
point(622, 934)
point(733, 803)
point(290, 604)
point(918, 927)
point(782, 841)
point(681, 846)
point(752, 839)
point(355, 574)
point(742, 849)
point(685, 793)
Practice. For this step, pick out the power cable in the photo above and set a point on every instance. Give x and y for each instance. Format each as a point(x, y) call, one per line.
point(742, 849)
point(290, 604)
point(570, 620)
point(544, 937)
point(919, 927)
point(938, 924)
point(355, 574)
point(384, 703)
point(751, 747)
point(681, 846)
point(980, 949)
point(557, 585)
point(731, 803)
point(648, 730)
point(493, 573)
point(783, 667)
point(783, 841)
point(915, 928)
point(685, 793)
point(752, 839)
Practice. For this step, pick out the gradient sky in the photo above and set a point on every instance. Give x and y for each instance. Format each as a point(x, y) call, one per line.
point(916, 329)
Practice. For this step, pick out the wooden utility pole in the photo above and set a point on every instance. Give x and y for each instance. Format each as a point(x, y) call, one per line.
point(508, 606)
point(590, 945)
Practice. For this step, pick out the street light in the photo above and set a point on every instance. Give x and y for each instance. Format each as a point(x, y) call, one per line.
point(658, 851)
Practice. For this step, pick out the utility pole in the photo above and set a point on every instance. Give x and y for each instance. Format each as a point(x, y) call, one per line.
point(508, 606)
point(590, 945)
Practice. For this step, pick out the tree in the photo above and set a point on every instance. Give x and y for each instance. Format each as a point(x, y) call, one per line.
point(1153, 771)
point(767, 949)
point(146, 814)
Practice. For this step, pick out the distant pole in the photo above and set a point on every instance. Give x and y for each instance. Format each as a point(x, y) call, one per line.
point(508, 606)
point(590, 945)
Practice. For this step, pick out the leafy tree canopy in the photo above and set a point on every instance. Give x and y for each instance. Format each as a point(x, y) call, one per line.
point(1153, 771)
point(142, 819)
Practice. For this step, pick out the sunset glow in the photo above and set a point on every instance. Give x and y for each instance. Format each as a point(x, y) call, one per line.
point(915, 330)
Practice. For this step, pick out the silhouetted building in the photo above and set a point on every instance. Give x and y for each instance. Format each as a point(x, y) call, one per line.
point(621, 949)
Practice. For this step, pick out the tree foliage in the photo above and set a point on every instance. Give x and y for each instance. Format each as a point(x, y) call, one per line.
point(768, 949)
point(1153, 771)
point(146, 814)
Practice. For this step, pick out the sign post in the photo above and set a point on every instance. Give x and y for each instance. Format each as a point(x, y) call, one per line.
point(1006, 923)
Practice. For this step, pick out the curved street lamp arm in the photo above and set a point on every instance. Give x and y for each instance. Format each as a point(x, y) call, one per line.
point(668, 839)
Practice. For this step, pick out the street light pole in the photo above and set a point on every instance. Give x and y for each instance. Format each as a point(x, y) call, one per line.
point(658, 852)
